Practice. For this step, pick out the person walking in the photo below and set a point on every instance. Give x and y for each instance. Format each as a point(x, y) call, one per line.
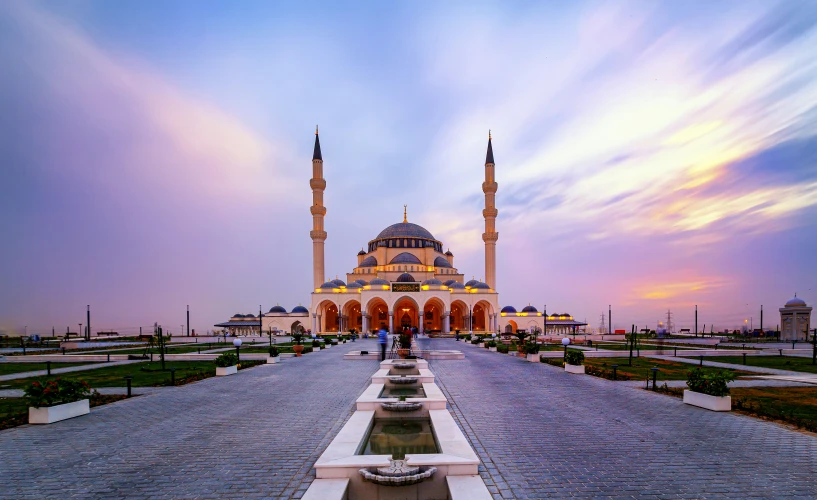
point(383, 338)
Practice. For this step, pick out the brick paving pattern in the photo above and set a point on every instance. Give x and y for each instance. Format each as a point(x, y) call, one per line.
point(255, 434)
point(542, 433)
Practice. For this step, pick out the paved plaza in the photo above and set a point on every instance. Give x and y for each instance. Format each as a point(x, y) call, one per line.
point(540, 433)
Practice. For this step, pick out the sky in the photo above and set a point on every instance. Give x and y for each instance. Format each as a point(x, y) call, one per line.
point(649, 155)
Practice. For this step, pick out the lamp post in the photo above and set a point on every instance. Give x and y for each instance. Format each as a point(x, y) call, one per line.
point(79, 332)
point(237, 344)
point(565, 343)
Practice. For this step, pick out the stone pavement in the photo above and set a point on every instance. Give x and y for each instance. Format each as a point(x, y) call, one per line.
point(255, 434)
point(542, 433)
point(57, 371)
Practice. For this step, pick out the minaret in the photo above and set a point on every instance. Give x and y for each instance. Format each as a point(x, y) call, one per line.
point(490, 235)
point(318, 235)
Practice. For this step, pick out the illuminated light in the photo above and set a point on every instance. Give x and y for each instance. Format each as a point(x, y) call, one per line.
point(317, 290)
point(424, 287)
point(430, 268)
point(521, 314)
point(503, 314)
point(384, 287)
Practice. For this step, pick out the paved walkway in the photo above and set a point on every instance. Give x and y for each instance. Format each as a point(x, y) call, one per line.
point(255, 434)
point(56, 371)
point(542, 433)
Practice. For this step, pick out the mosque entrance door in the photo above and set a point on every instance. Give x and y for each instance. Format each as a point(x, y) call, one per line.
point(405, 314)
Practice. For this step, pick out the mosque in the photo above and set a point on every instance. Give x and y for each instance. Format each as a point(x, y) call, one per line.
point(403, 278)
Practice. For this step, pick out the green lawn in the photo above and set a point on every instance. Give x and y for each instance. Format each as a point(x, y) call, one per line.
point(144, 374)
point(787, 403)
point(14, 411)
point(792, 363)
point(170, 350)
point(668, 370)
point(8, 368)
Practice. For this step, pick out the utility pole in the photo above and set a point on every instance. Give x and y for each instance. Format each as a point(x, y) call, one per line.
point(261, 323)
point(188, 320)
point(609, 318)
point(632, 344)
point(601, 323)
point(761, 317)
point(696, 320)
point(88, 324)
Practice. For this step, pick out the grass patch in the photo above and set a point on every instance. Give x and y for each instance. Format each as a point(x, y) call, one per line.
point(669, 370)
point(14, 411)
point(144, 374)
point(9, 368)
point(792, 363)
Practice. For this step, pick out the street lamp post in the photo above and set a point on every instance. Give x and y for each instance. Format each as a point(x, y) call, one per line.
point(237, 344)
point(565, 343)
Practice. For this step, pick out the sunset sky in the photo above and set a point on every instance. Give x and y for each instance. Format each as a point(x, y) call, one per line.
point(650, 155)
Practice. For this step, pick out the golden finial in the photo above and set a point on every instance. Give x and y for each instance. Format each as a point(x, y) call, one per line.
point(489, 134)
point(405, 217)
point(316, 130)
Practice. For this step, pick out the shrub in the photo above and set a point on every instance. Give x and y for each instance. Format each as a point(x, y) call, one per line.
point(56, 391)
point(297, 337)
point(273, 352)
point(711, 383)
point(502, 348)
point(512, 346)
point(475, 341)
point(226, 359)
point(307, 349)
point(467, 336)
point(490, 343)
point(404, 340)
point(316, 343)
point(574, 357)
point(532, 348)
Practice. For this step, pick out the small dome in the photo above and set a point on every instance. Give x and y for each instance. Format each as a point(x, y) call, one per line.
point(249, 315)
point(432, 281)
point(354, 284)
point(406, 278)
point(449, 282)
point(300, 309)
point(441, 262)
point(448, 252)
point(405, 258)
point(338, 282)
point(329, 284)
point(362, 282)
point(481, 286)
point(529, 309)
point(361, 252)
point(508, 309)
point(796, 302)
point(456, 286)
point(471, 282)
point(378, 281)
point(369, 261)
point(278, 309)
point(238, 315)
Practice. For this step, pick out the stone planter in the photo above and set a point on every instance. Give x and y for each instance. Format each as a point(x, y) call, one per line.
point(298, 349)
point(272, 361)
point(534, 358)
point(481, 344)
point(51, 414)
point(223, 371)
point(714, 403)
point(574, 369)
point(492, 349)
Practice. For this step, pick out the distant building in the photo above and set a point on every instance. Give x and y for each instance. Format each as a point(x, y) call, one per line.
point(795, 320)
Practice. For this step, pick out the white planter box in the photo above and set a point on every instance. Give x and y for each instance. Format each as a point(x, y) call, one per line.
point(226, 370)
point(534, 358)
point(481, 344)
point(714, 403)
point(492, 349)
point(327, 346)
point(316, 349)
point(51, 414)
point(272, 361)
point(574, 369)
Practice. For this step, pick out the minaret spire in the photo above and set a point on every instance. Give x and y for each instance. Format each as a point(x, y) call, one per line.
point(318, 234)
point(490, 236)
point(405, 217)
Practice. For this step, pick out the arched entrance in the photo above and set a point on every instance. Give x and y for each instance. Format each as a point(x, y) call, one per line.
point(459, 316)
point(328, 318)
point(511, 327)
point(352, 317)
point(296, 327)
point(406, 314)
point(378, 313)
point(433, 315)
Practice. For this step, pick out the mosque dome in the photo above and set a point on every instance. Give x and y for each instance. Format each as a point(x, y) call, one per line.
point(508, 309)
point(369, 261)
point(405, 258)
point(238, 315)
point(449, 282)
point(405, 230)
point(456, 285)
point(406, 278)
point(471, 282)
point(362, 282)
point(361, 252)
point(354, 284)
point(481, 286)
point(338, 282)
point(249, 316)
point(278, 309)
point(796, 302)
point(329, 284)
point(300, 309)
point(441, 262)
point(378, 281)
point(432, 281)
point(448, 252)
point(529, 309)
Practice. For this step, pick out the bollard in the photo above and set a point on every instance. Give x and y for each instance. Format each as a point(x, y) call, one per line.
point(781, 351)
point(716, 347)
point(173, 376)
point(744, 358)
point(199, 350)
point(702, 360)
point(109, 358)
point(151, 357)
point(614, 367)
point(792, 343)
point(676, 352)
point(128, 379)
point(654, 375)
point(63, 351)
point(48, 367)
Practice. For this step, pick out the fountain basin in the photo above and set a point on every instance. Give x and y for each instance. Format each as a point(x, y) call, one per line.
point(376, 394)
